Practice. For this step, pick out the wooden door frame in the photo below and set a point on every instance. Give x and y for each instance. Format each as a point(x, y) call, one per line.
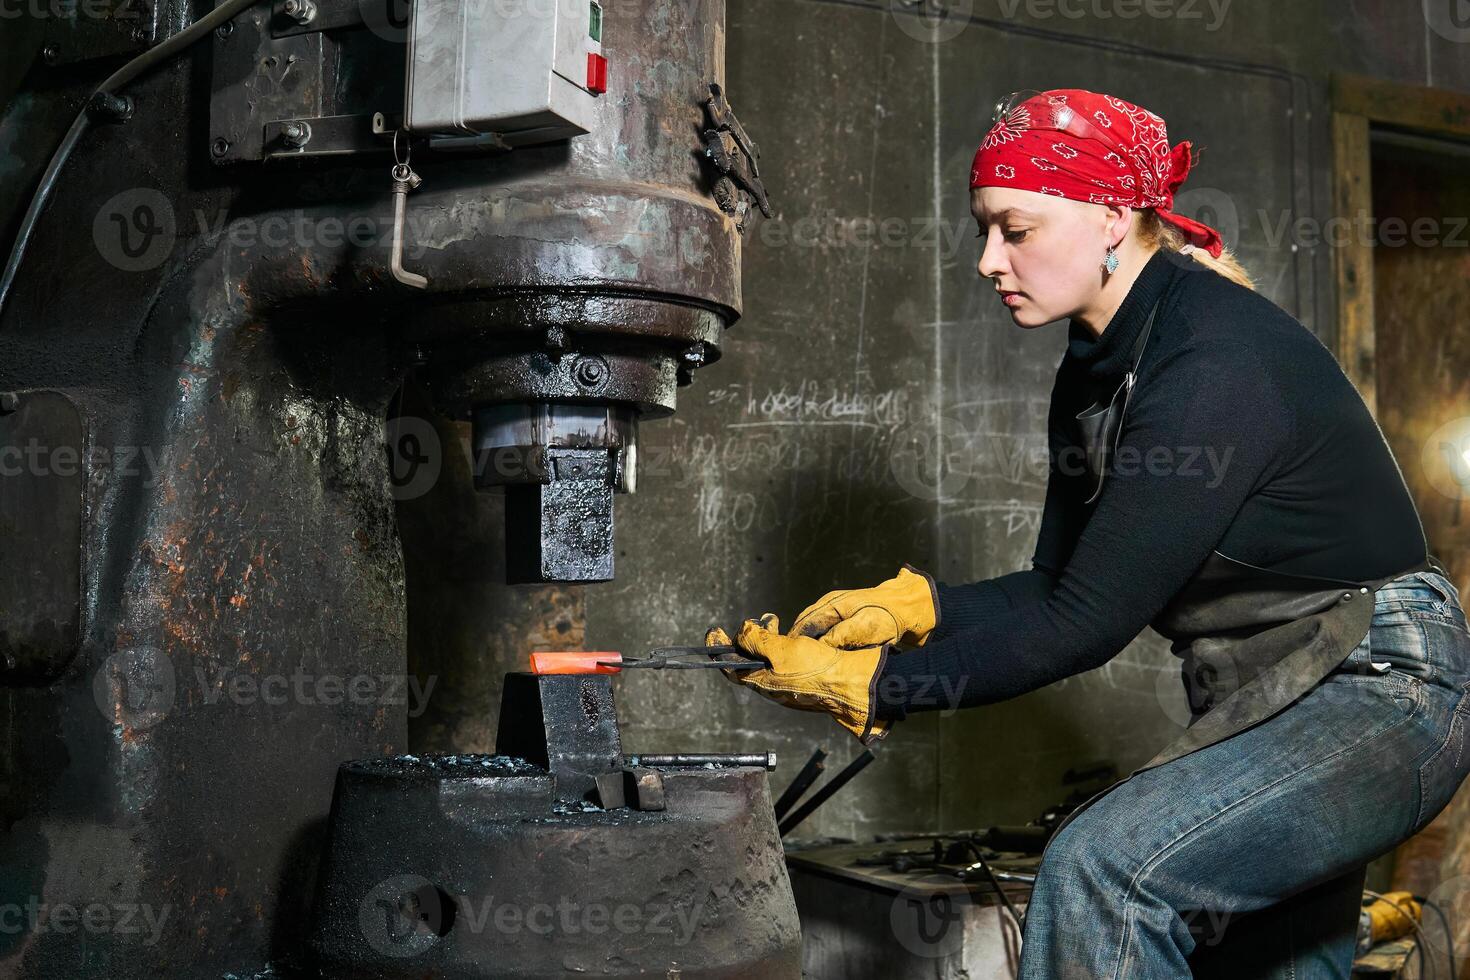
point(1357, 102)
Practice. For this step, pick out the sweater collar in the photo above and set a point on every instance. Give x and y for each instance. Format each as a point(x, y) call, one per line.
point(1111, 354)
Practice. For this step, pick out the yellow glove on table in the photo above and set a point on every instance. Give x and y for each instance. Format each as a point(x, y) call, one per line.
point(810, 674)
point(903, 610)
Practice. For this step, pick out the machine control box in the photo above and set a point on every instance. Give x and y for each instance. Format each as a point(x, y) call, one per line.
point(525, 71)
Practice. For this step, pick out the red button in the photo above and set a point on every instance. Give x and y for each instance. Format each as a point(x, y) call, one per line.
point(596, 73)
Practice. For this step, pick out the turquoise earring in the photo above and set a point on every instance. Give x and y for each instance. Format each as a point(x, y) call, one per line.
point(1111, 261)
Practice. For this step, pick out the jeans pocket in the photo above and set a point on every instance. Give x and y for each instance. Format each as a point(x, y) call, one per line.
point(1416, 591)
point(1441, 774)
point(1443, 587)
point(1451, 596)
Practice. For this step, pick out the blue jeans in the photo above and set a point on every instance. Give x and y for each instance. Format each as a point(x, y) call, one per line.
point(1246, 858)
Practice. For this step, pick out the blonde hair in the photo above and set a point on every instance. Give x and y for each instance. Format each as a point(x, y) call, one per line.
point(1154, 231)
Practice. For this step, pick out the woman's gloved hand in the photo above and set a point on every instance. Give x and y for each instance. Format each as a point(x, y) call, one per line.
point(810, 674)
point(902, 610)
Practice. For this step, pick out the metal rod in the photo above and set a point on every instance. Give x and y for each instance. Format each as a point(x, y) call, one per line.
point(803, 782)
point(1021, 876)
point(660, 663)
point(765, 760)
point(690, 651)
point(995, 883)
point(395, 260)
point(825, 793)
point(663, 659)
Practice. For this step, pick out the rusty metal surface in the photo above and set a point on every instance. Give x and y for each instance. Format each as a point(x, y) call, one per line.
point(178, 772)
point(228, 325)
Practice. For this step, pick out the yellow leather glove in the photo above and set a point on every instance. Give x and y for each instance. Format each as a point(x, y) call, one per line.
point(1390, 916)
point(811, 675)
point(902, 610)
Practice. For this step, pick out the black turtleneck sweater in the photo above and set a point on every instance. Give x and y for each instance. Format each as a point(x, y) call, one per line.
point(1243, 435)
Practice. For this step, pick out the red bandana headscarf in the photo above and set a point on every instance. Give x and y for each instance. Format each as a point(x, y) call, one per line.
point(1089, 147)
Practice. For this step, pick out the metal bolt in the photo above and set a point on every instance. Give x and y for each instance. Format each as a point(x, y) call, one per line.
point(9, 402)
point(116, 108)
point(220, 146)
point(302, 12)
point(590, 371)
point(296, 134)
point(225, 30)
point(51, 54)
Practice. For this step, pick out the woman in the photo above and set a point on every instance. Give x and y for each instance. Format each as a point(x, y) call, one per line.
point(1215, 475)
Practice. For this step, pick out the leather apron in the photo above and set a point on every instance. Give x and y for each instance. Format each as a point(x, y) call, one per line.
point(1251, 640)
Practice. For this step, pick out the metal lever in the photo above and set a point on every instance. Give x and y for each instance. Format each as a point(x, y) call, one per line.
point(404, 180)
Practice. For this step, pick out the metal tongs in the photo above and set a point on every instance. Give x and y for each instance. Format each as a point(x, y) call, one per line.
point(667, 658)
point(611, 662)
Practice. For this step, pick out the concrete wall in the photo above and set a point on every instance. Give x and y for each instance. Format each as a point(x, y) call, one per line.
point(804, 461)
